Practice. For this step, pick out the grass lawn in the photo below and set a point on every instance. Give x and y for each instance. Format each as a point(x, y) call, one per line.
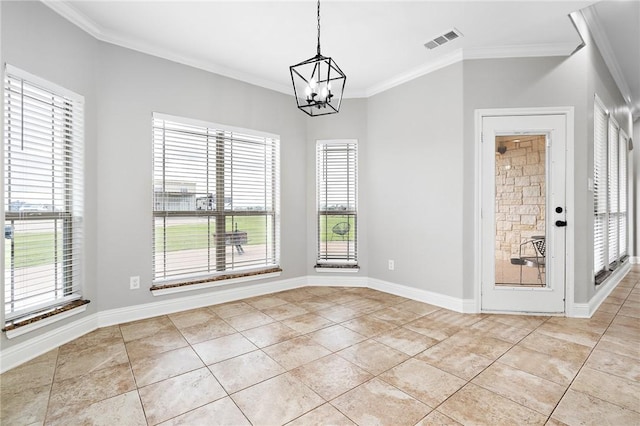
point(199, 235)
point(328, 222)
point(31, 249)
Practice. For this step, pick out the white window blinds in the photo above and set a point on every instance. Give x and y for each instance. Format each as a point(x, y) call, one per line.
point(622, 183)
point(216, 200)
point(600, 119)
point(337, 202)
point(610, 193)
point(612, 190)
point(43, 194)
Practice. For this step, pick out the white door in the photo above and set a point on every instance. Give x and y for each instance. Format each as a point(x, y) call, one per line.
point(523, 213)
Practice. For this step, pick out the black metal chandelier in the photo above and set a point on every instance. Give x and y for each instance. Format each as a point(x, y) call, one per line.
point(318, 83)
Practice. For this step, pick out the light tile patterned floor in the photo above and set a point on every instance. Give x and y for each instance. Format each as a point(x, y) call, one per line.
point(340, 356)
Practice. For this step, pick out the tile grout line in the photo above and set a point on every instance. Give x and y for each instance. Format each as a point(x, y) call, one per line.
point(53, 380)
point(587, 358)
point(331, 353)
point(361, 314)
point(484, 369)
point(135, 380)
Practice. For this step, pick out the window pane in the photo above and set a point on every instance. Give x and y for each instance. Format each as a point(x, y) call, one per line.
point(337, 182)
point(337, 238)
point(622, 180)
point(613, 192)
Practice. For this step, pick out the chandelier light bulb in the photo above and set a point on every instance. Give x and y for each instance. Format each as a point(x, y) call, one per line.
point(324, 92)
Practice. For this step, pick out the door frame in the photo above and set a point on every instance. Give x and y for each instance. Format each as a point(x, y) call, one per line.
point(568, 112)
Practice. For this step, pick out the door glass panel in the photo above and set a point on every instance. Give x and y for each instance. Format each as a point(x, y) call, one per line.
point(520, 203)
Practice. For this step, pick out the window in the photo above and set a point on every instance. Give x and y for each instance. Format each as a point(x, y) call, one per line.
point(610, 193)
point(43, 195)
point(337, 203)
point(600, 119)
point(612, 190)
point(623, 149)
point(215, 201)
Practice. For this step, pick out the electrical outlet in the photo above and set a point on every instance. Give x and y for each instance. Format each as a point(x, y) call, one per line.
point(134, 283)
point(392, 265)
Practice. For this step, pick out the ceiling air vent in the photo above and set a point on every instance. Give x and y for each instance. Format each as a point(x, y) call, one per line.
point(442, 39)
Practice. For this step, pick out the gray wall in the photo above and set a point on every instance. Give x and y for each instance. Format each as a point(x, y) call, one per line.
point(530, 82)
point(635, 187)
point(600, 82)
point(417, 166)
point(123, 88)
point(66, 59)
point(350, 123)
point(130, 87)
point(415, 181)
point(542, 82)
point(421, 205)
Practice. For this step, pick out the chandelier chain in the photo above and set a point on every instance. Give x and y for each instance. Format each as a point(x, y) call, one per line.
point(318, 27)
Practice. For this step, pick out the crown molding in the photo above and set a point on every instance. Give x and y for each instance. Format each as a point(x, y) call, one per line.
point(520, 51)
point(593, 20)
point(444, 61)
point(77, 18)
point(70, 13)
point(497, 52)
point(214, 68)
point(74, 16)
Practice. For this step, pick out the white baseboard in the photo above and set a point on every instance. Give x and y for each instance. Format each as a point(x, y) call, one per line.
point(634, 260)
point(325, 280)
point(164, 307)
point(26, 351)
point(22, 352)
point(441, 300)
point(586, 310)
point(33, 348)
point(580, 310)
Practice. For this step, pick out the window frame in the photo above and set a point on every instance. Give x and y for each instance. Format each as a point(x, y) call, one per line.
point(218, 214)
point(68, 279)
point(325, 258)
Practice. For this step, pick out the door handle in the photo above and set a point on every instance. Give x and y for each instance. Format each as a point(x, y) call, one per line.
point(560, 223)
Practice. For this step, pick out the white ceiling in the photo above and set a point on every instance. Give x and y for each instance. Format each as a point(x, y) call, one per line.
point(378, 44)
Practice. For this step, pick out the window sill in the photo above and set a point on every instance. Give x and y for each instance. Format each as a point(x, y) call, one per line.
point(27, 326)
point(337, 268)
point(214, 282)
